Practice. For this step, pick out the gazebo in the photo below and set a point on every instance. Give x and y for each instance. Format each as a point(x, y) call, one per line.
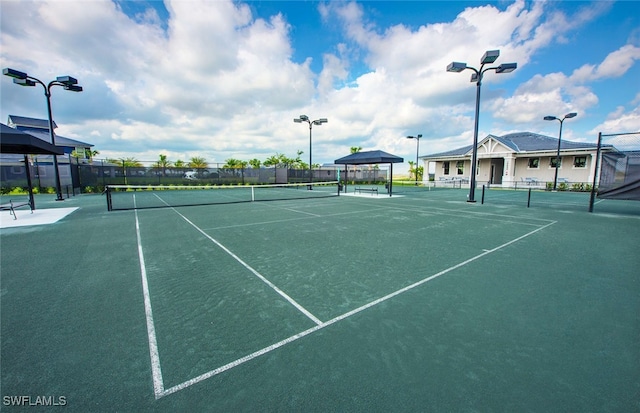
point(369, 158)
point(13, 141)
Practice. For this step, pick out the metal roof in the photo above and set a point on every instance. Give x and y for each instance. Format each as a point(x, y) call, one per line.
point(519, 142)
point(40, 129)
point(26, 122)
point(368, 157)
point(17, 142)
point(60, 140)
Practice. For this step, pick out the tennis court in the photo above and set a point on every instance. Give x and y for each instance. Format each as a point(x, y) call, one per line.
point(416, 302)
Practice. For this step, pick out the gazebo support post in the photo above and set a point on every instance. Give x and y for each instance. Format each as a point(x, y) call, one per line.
point(32, 201)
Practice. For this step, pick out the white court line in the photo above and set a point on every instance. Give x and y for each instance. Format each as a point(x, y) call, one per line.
point(156, 371)
point(459, 213)
point(301, 212)
point(304, 333)
point(278, 221)
point(253, 270)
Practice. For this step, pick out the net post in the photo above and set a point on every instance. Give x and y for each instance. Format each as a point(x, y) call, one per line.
point(109, 205)
point(482, 201)
point(592, 197)
point(529, 198)
point(253, 194)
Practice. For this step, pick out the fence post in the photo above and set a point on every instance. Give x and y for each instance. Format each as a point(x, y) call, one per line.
point(595, 173)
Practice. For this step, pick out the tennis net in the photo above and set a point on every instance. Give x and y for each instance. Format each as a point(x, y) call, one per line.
point(123, 197)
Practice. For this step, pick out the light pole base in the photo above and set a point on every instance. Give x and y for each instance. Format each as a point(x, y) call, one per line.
point(472, 201)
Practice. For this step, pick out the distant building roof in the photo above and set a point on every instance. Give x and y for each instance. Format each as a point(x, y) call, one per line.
point(40, 129)
point(22, 122)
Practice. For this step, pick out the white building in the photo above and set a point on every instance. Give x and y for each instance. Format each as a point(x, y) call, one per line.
point(517, 159)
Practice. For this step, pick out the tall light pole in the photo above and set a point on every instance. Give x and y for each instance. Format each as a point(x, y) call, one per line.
point(417, 138)
point(305, 118)
point(68, 83)
point(567, 116)
point(489, 57)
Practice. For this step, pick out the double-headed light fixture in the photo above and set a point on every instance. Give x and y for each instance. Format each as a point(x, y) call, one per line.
point(489, 57)
point(567, 116)
point(68, 83)
point(417, 138)
point(318, 122)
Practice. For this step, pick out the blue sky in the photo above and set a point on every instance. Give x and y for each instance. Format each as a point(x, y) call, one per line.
point(222, 80)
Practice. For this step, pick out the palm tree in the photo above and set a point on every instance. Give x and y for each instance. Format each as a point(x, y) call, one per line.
point(178, 166)
point(255, 163)
point(162, 164)
point(233, 163)
point(411, 169)
point(198, 163)
point(355, 149)
point(126, 162)
point(273, 160)
point(91, 154)
point(279, 160)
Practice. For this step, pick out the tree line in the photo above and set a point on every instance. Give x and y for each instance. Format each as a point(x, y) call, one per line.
point(278, 160)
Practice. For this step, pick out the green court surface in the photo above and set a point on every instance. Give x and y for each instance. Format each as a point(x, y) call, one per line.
point(418, 302)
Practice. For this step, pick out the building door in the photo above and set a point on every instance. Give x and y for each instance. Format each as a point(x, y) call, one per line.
point(497, 170)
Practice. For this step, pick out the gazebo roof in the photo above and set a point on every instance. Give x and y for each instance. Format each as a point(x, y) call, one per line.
point(368, 157)
point(17, 142)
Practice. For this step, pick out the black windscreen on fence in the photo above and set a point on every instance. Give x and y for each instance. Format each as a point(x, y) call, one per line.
point(620, 167)
point(620, 176)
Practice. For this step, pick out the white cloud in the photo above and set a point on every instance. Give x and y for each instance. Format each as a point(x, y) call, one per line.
point(220, 82)
point(621, 121)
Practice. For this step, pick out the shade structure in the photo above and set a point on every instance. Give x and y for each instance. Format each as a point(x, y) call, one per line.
point(14, 141)
point(370, 158)
point(18, 142)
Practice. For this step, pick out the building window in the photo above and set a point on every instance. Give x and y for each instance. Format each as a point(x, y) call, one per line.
point(552, 162)
point(17, 170)
point(534, 163)
point(580, 162)
point(460, 167)
point(445, 166)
